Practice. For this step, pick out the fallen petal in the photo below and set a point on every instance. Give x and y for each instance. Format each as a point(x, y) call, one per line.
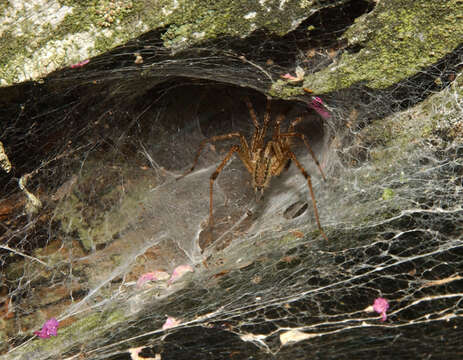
point(383, 316)
point(294, 336)
point(49, 328)
point(381, 305)
point(170, 323)
point(80, 64)
point(179, 271)
point(152, 276)
point(317, 105)
point(289, 77)
point(42, 334)
point(300, 72)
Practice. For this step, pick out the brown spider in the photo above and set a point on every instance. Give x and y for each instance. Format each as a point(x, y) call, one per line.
point(262, 159)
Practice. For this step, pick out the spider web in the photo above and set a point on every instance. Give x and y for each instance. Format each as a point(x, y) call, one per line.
point(97, 151)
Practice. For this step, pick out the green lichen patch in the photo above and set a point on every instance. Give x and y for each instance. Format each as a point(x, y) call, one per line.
point(398, 39)
point(446, 120)
point(282, 89)
point(392, 139)
point(96, 210)
point(388, 194)
point(401, 150)
point(79, 331)
point(89, 28)
point(39, 49)
point(192, 22)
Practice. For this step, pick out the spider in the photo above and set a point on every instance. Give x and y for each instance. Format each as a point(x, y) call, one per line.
point(263, 159)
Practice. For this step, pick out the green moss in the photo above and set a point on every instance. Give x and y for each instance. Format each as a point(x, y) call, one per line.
point(15, 270)
point(11, 47)
point(88, 325)
point(116, 259)
point(97, 212)
point(76, 22)
point(391, 140)
point(114, 317)
point(194, 21)
point(287, 240)
point(106, 319)
point(76, 216)
point(84, 325)
point(103, 42)
point(45, 48)
point(398, 39)
point(80, 331)
point(285, 90)
point(188, 22)
point(396, 142)
point(101, 13)
point(388, 194)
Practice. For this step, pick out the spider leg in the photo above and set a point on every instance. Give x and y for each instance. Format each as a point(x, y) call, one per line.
point(282, 162)
point(252, 112)
point(266, 116)
point(226, 159)
point(303, 138)
point(257, 141)
point(276, 131)
point(312, 195)
point(294, 123)
point(243, 154)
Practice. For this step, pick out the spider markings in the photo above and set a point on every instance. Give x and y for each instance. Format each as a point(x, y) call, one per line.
point(262, 159)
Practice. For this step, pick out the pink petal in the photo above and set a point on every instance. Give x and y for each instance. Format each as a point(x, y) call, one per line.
point(289, 77)
point(42, 334)
point(49, 328)
point(80, 64)
point(152, 276)
point(381, 305)
point(317, 105)
point(170, 323)
point(179, 271)
point(383, 316)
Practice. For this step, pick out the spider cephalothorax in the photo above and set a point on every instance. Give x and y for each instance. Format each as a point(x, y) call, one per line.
point(263, 159)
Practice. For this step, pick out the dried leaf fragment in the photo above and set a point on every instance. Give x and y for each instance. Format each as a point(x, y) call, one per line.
point(134, 354)
point(138, 58)
point(443, 281)
point(4, 161)
point(298, 234)
point(294, 336)
point(33, 203)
